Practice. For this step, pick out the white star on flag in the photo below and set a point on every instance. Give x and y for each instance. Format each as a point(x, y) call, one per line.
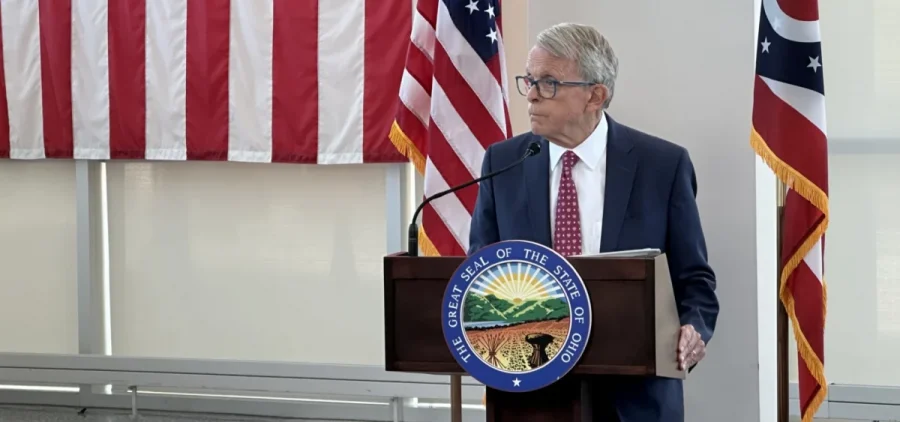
point(492, 35)
point(814, 63)
point(473, 6)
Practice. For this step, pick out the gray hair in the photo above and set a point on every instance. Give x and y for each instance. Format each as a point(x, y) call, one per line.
point(589, 49)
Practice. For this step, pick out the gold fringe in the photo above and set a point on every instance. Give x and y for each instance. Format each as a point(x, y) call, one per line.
point(407, 147)
point(425, 246)
point(816, 196)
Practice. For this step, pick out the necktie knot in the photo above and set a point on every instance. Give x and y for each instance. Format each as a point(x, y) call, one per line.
point(569, 160)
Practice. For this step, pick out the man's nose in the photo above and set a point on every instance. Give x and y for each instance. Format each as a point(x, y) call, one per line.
point(533, 94)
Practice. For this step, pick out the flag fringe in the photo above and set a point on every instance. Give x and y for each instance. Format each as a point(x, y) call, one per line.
point(407, 147)
point(816, 196)
point(426, 247)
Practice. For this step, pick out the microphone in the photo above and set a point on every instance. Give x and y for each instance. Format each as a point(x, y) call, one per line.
point(413, 233)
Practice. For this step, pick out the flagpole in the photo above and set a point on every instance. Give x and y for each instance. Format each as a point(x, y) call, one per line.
point(782, 332)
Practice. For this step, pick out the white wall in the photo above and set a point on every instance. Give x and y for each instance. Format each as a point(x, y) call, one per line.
point(686, 71)
point(38, 306)
point(272, 262)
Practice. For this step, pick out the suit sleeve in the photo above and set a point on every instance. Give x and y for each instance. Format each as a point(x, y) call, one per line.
point(693, 280)
point(483, 227)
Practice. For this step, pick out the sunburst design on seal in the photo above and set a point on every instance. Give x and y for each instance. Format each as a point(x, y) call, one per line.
point(515, 316)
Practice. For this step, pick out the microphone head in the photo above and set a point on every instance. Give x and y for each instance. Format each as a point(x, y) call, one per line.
point(534, 148)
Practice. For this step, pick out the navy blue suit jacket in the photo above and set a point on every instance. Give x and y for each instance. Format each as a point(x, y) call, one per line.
point(650, 202)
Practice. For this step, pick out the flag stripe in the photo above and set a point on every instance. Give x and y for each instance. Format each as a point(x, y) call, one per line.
point(56, 76)
point(22, 62)
point(449, 208)
point(127, 78)
point(804, 218)
point(504, 79)
point(206, 103)
point(456, 131)
point(90, 80)
point(806, 290)
point(454, 171)
point(423, 36)
point(421, 71)
point(415, 99)
point(813, 260)
point(804, 157)
point(381, 49)
point(166, 80)
point(810, 104)
point(4, 106)
point(442, 238)
point(341, 88)
point(295, 87)
point(464, 102)
point(428, 10)
point(250, 81)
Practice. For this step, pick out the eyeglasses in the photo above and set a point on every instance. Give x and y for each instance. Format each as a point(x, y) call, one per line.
point(546, 87)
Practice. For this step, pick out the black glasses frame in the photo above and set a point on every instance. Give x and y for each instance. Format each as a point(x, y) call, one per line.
point(547, 83)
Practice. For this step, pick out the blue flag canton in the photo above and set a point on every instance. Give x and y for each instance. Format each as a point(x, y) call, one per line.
point(477, 21)
point(788, 61)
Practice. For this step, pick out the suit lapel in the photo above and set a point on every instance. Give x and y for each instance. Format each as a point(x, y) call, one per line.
point(621, 164)
point(537, 190)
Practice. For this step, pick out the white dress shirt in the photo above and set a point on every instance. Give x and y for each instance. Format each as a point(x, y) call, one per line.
point(589, 175)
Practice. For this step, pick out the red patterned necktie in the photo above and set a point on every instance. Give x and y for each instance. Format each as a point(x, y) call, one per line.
point(567, 233)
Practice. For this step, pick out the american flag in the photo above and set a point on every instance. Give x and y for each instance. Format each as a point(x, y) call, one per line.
point(789, 134)
point(298, 81)
point(453, 105)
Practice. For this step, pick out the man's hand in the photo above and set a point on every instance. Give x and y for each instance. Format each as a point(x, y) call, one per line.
point(691, 348)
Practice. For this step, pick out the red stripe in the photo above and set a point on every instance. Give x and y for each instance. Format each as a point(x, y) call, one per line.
point(493, 66)
point(56, 76)
point(387, 29)
point(807, 292)
point(803, 217)
point(4, 106)
point(509, 129)
point(419, 66)
point(428, 9)
point(790, 135)
point(439, 234)
point(295, 82)
point(464, 100)
point(206, 100)
point(414, 129)
point(127, 79)
point(499, 17)
point(450, 166)
point(804, 10)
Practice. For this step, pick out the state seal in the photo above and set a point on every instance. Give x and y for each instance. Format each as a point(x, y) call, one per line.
point(516, 316)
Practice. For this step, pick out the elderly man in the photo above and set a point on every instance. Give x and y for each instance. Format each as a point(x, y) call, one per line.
point(629, 190)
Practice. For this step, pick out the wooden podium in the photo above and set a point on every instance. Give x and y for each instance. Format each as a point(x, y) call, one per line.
point(634, 331)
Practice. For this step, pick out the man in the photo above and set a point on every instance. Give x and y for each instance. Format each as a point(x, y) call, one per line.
point(622, 189)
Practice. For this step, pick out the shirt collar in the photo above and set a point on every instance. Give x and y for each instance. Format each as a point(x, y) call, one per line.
point(590, 151)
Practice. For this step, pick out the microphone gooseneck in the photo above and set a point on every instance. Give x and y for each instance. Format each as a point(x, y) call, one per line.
point(413, 232)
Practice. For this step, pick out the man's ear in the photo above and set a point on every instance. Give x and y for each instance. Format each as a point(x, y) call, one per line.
point(599, 94)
